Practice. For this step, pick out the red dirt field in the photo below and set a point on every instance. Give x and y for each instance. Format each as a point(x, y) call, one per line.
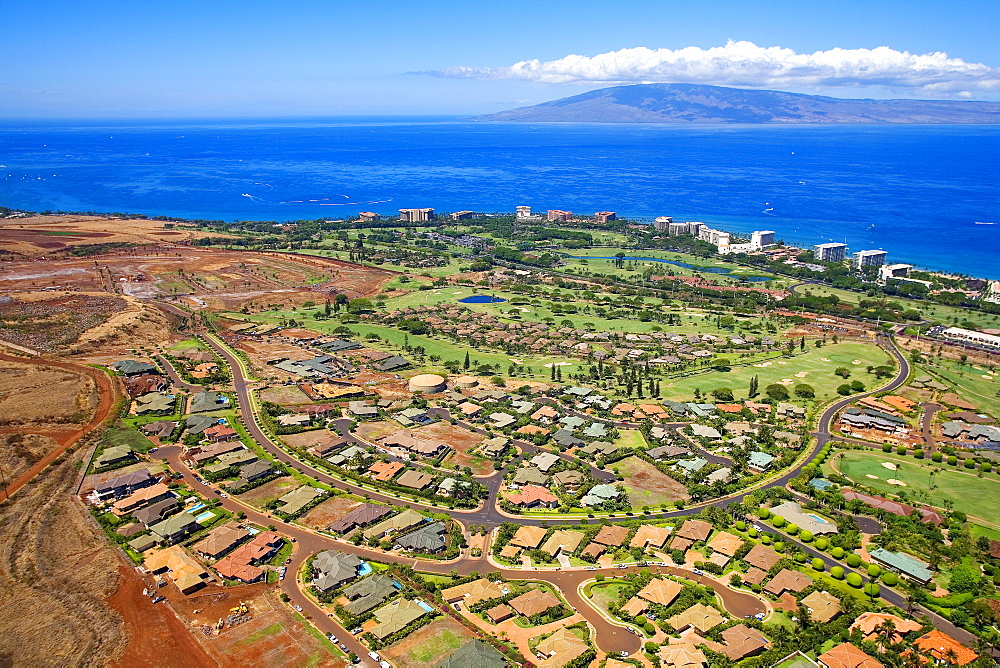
point(156, 637)
point(329, 512)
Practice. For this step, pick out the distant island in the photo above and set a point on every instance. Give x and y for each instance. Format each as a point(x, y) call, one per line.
point(694, 103)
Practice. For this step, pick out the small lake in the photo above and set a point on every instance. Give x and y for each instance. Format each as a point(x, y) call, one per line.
point(708, 270)
point(481, 299)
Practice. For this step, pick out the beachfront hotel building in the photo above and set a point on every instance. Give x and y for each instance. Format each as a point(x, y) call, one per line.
point(663, 224)
point(416, 215)
point(604, 216)
point(762, 239)
point(869, 258)
point(462, 215)
point(714, 237)
point(555, 215)
point(830, 252)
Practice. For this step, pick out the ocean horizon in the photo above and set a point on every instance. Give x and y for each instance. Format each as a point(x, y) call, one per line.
point(927, 194)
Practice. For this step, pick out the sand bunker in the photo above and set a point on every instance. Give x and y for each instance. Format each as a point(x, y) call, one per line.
point(889, 465)
point(855, 361)
point(987, 376)
point(802, 374)
point(893, 481)
point(786, 381)
point(825, 359)
point(515, 361)
point(873, 477)
point(552, 364)
point(763, 364)
point(457, 292)
point(782, 362)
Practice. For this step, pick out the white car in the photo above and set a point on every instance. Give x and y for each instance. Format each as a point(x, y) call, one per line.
point(374, 656)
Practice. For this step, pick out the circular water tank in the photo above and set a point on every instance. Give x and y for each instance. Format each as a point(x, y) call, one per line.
point(464, 382)
point(428, 383)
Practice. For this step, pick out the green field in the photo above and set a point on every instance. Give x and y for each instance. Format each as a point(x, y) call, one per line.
point(969, 493)
point(631, 438)
point(819, 373)
point(604, 594)
point(602, 266)
point(968, 383)
point(434, 647)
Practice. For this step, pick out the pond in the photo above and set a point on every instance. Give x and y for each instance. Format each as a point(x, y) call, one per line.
point(481, 299)
point(685, 265)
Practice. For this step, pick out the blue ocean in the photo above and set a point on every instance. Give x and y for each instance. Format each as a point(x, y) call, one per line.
point(929, 195)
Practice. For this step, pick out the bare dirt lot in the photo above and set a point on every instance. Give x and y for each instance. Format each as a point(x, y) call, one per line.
point(329, 512)
point(19, 451)
point(372, 431)
point(272, 636)
point(462, 441)
point(268, 491)
point(44, 235)
point(428, 645)
point(646, 485)
point(286, 395)
point(57, 572)
point(43, 396)
point(308, 439)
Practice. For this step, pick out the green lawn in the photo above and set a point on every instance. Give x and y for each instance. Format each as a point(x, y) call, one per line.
point(130, 437)
point(187, 344)
point(607, 266)
point(604, 594)
point(631, 438)
point(819, 373)
point(436, 646)
point(971, 494)
point(647, 485)
point(968, 383)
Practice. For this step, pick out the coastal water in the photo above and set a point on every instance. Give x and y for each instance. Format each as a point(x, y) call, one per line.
point(927, 194)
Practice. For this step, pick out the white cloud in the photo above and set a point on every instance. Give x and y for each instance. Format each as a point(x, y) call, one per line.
point(748, 65)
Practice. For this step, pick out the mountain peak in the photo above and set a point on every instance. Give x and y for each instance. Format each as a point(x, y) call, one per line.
point(699, 103)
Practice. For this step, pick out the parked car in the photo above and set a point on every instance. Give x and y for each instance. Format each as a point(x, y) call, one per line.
point(374, 656)
point(298, 608)
point(159, 598)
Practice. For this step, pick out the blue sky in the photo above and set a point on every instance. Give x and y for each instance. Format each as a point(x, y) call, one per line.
point(294, 57)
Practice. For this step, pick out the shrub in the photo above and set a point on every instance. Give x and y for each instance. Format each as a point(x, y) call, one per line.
point(763, 513)
point(937, 457)
point(901, 450)
point(779, 546)
point(752, 532)
point(890, 578)
point(765, 538)
point(952, 460)
point(853, 560)
point(821, 544)
point(886, 447)
point(854, 580)
point(985, 467)
point(969, 464)
point(837, 572)
point(818, 564)
point(806, 536)
point(918, 453)
point(778, 521)
point(837, 552)
point(791, 529)
point(741, 525)
point(874, 570)
point(872, 589)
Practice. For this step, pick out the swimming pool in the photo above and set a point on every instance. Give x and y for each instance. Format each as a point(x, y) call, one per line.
point(818, 518)
point(207, 515)
point(425, 606)
point(197, 506)
point(481, 299)
point(365, 569)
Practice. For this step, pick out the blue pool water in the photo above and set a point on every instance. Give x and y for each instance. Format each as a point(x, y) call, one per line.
point(678, 263)
point(425, 606)
point(197, 506)
point(205, 516)
point(817, 518)
point(481, 299)
point(365, 569)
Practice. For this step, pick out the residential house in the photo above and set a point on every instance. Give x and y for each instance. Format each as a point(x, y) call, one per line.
point(160, 429)
point(385, 471)
point(741, 641)
point(787, 580)
point(903, 564)
point(221, 540)
point(474, 654)
point(186, 573)
point(502, 420)
point(533, 496)
point(396, 616)
point(293, 502)
point(422, 447)
point(563, 541)
point(529, 476)
point(401, 522)
point(362, 516)
point(725, 543)
point(114, 455)
point(474, 592)
point(570, 479)
point(130, 368)
point(599, 494)
point(544, 461)
point(792, 512)
point(334, 569)
point(649, 536)
point(156, 512)
point(760, 461)
point(428, 539)
point(122, 486)
point(494, 448)
point(175, 528)
point(699, 616)
point(528, 537)
point(221, 433)
point(762, 557)
point(945, 649)
point(361, 409)
point(154, 403)
point(500, 613)
point(690, 466)
point(562, 647)
point(703, 431)
point(369, 593)
point(823, 606)
point(694, 530)
point(144, 496)
point(667, 452)
point(846, 655)
point(251, 473)
point(872, 625)
point(534, 602)
point(415, 480)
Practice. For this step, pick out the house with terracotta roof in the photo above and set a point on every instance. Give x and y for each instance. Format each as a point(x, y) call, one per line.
point(528, 537)
point(944, 648)
point(762, 557)
point(221, 540)
point(684, 655)
point(545, 414)
point(534, 602)
point(385, 471)
point(787, 580)
point(533, 496)
point(186, 573)
point(846, 655)
point(754, 576)
point(561, 647)
point(695, 530)
point(823, 606)
point(500, 613)
point(739, 642)
point(563, 541)
point(699, 616)
point(474, 592)
point(611, 535)
point(874, 627)
point(725, 543)
point(647, 536)
point(661, 591)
